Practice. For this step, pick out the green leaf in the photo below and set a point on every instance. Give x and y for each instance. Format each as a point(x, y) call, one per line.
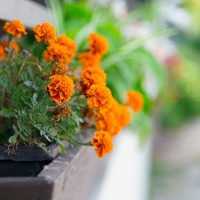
point(62, 149)
point(7, 113)
point(12, 139)
point(34, 99)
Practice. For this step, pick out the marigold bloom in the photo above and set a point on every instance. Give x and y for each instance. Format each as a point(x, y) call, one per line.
point(2, 53)
point(122, 113)
point(61, 88)
point(15, 28)
point(88, 59)
point(91, 76)
point(56, 52)
point(99, 97)
point(113, 119)
point(107, 121)
point(12, 44)
point(102, 143)
point(61, 51)
point(98, 44)
point(59, 69)
point(69, 44)
point(125, 116)
point(45, 32)
point(135, 100)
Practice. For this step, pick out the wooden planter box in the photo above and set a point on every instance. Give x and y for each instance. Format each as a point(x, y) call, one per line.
point(65, 178)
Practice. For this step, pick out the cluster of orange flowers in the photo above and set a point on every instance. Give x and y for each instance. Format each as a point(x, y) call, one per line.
point(5, 45)
point(60, 50)
point(110, 116)
point(15, 29)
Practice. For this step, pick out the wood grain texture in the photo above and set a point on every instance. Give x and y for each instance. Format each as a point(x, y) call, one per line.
point(65, 178)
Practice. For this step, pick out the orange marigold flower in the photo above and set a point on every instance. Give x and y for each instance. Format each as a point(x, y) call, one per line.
point(61, 51)
point(125, 116)
point(122, 113)
point(113, 119)
point(107, 121)
point(61, 88)
point(13, 45)
point(2, 53)
point(102, 143)
point(56, 52)
point(99, 97)
point(69, 44)
point(59, 69)
point(15, 28)
point(135, 100)
point(45, 32)
point(98, 44)
point(88, 59)
point(91, 76)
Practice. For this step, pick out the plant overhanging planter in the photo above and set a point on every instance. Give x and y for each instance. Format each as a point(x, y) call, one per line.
point(50, 97)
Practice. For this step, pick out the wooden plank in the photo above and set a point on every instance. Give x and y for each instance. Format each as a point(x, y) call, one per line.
point(29, 12)
point(65, 178)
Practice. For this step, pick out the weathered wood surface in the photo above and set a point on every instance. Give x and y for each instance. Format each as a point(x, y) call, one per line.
point(29, 12)
point(66, 178)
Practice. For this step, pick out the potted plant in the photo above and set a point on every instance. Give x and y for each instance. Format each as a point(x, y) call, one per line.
point(51, 102)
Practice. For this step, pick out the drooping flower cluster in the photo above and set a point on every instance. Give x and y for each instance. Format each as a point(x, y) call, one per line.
point(110, 116)
point(68, 89)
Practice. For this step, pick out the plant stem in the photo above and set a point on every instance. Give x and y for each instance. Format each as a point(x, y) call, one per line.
point(80, 143)
point(25, 60)
point(75, 104)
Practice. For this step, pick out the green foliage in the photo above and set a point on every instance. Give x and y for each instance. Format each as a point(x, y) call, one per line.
point(25, 118)
point(182, 101)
